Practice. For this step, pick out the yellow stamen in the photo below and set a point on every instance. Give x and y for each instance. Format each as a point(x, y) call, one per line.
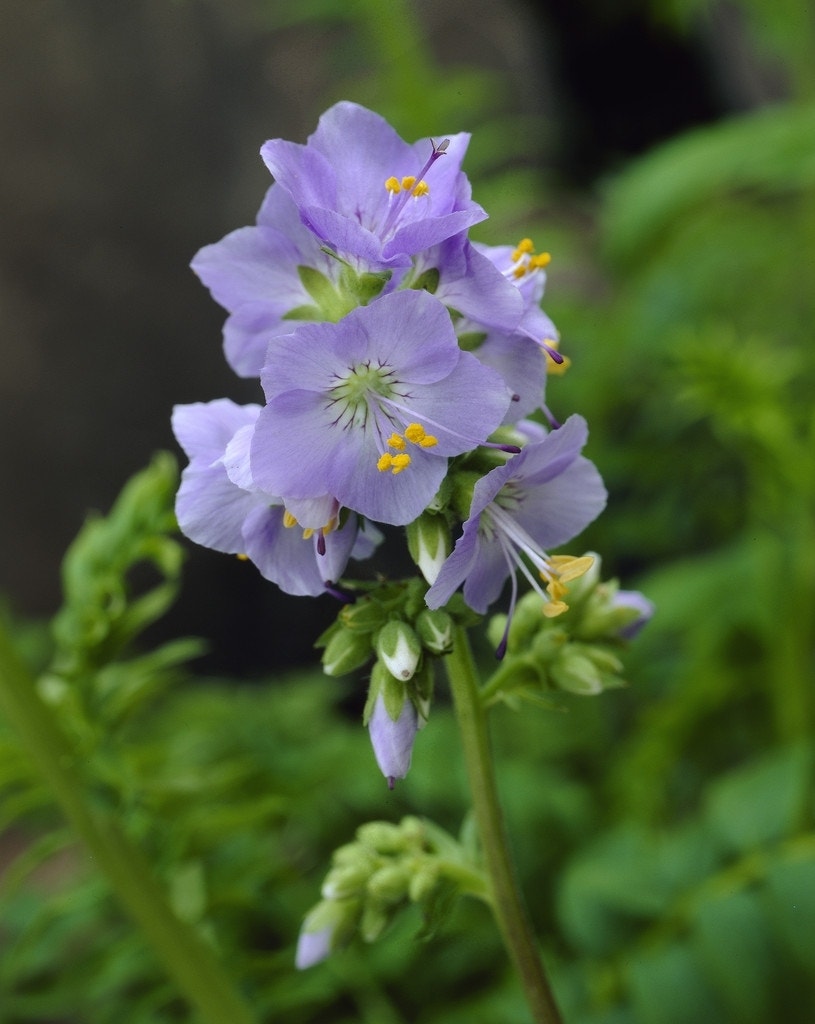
point(565, 568)
point(308, 533)
point(392, 185)
point(524, 246)
point(415, 433)
point(242, 558)
point(400, 462)
point(384, 462)
point(543, 259)
point(288, 519)
point(421, 189)
point(408, 182)
point(396, 441)
point(519, 271)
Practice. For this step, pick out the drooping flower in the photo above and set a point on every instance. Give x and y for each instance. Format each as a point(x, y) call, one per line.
point(219, 507)
point(369, 409)
point(536, 500)
point(367, 194)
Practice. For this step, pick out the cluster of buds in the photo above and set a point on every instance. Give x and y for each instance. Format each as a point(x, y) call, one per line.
point(385, 869)
point(392, 625)
point(578, 650)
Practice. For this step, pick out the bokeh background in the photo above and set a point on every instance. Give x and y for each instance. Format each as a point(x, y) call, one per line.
point(664, 152)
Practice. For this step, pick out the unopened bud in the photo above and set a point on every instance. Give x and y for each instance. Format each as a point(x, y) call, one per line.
point(391, 739)
point(428, 539)
point(399, 649)
point(576, 673)
point(346, 651)
point(390, 883)
point(435, 629)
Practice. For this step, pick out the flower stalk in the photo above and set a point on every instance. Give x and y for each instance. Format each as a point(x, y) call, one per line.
point(506, 902)
point(190, 962)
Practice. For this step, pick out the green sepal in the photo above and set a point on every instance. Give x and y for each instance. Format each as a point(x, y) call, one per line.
point(427, 281)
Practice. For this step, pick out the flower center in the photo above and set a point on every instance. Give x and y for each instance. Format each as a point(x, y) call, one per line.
point(526, 261)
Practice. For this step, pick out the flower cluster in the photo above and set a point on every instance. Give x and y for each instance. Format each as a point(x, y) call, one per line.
point(403, 371)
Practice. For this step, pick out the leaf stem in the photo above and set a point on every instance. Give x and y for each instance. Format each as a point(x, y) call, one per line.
point(183, 954)
point(508, 907)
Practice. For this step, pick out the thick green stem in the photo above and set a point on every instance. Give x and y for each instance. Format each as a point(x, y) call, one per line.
point(182, 952)
point(507, 903)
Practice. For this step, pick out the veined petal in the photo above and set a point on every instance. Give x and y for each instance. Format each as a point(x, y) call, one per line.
point(203, 429)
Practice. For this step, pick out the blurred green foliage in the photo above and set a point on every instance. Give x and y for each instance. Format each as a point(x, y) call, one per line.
point(665, 834)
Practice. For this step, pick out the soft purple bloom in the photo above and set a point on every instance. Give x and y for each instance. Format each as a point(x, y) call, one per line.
point(338, 182)
point(253, 273)
point(529, 281)
point(369, 409)
point(393, 740)
point(219, 507)
point(538, 499)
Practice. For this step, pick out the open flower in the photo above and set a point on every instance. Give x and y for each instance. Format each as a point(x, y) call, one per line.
point(302, 548)
point(538, 499)
point(369, 409)
point(366, 193)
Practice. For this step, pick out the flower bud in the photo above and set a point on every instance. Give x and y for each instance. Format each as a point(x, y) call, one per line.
point(346, 651)
point(423, 881)
point(576, 673)
point(428, 539)
point(390, 883)
point(382, 836)
point(391, 739)
point(328, 925)
point(435, 629)
point(399, 649)
point(345, 881)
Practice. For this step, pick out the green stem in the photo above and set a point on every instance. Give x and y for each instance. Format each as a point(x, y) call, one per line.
point(508, 908)
point(182, 952)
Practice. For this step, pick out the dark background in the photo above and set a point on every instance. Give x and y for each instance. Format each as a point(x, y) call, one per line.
point(130, 135)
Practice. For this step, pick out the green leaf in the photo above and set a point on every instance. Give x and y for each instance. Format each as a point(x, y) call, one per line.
point(763, 802)
point(790, 897)
point(667, 987)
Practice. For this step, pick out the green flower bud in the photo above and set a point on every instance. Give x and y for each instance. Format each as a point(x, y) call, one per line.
point(345, 881)
point(365, 616)
point(390, 883)
point(346, 651)
point(423, 881)
point(373, 922)
point(399, 649)
point(576, 673)
point(435, 629)
point(428, 539)
point(382, 836)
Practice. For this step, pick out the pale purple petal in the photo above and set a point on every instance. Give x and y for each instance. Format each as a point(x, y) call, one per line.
point(393, 741)
point(313, 947)
point(203, 429)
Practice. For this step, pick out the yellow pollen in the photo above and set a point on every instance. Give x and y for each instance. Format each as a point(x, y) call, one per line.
point(288, 519)
point(242, 558)
point(415, 433)
point(565, 568)
point(392, 185)
point(396, 441)
point(308, 533)
point(421, 189)
point(543, 259)
point(384, 462)
point(408, 182)
point(524, 246)
point(399, 462)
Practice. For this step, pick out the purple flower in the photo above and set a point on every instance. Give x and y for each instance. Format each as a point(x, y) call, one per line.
point(300, 546)
point(368, 409)
point(255, 274)
point(393, 740)
point(366, 193)
point(538, 499)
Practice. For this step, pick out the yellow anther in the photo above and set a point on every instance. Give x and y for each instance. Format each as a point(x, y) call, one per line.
point(392, 185)
point(524, 246)
point(288, 519)
point(242, 558)
point(399, 462)
point(308, 533)
point(565, 568)
point(414, 432)
point(421, 189)
point(520, 270)
point(396, 441)
point(408, 182)
point(384, 462)
point(541, 260)
point(428, 441)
